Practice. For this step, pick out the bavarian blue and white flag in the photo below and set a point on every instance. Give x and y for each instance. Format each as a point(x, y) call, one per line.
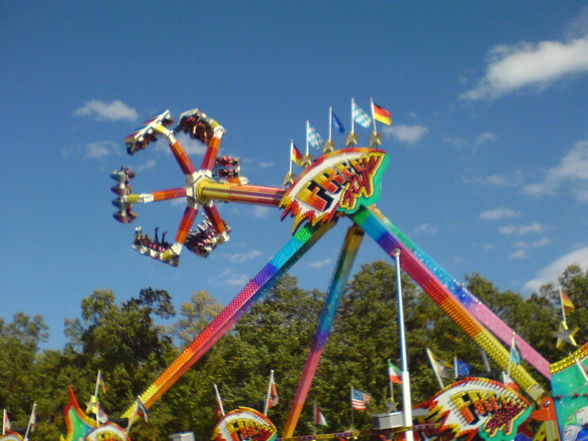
point(360, 116)
point(313, 137)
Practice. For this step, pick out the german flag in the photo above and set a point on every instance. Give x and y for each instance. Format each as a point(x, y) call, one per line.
point(296, 155)
point(382, 115)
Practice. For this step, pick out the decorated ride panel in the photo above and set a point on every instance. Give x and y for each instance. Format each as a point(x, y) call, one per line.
point(338, 182)
point(108, 432)
point(476, 408)
point(244, 424)
point(569, 382)
point(11, 436)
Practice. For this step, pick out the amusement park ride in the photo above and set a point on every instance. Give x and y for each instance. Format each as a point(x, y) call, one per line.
point(340, 183)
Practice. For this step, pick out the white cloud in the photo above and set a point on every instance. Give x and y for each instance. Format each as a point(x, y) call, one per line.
point(114, 111)
point(99, 149)
point(320, 263)
point(551, 272)
point(406, 133)
point(521, 230)
point(229, 277)
point(425, 228)
point(527, 64)
point(518, 254)
point(454, 141)
point(572, 169)
point(151, 163)
point(498, 213)
point(243, 257)
point(191, 145)
point(260, 211)
point(266, 164)
point(484, 138)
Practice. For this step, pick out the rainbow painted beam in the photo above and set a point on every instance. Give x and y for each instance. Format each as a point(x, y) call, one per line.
point(372, 222)
point(353, 240)
point(296, 247)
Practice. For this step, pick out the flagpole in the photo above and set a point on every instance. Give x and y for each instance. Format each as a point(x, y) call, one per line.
point(219, 400)
point(373, 116)
point(330, 123)
point(485, 360)
point(269, 387)
point(314, 418)
point(291, 153)
point(96, 395)
point(434, 366)
point(26, 435)
point(563, 310)
point(455, 366)
point(352, 119)
point(351, 403)
point(512, 340)
point(406, 399)
point(307, 129)
point(4, 417)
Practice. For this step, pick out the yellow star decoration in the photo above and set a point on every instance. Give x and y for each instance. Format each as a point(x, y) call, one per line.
point(564, 335)
point(288, 179)
point(329, 146)
point(307, 160)
point(351, 139)
point(375, 139)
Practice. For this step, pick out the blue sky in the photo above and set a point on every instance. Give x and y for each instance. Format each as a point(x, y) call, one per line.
point(488, 151)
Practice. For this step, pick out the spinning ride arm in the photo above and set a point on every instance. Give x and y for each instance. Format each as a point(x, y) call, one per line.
point(296, 247)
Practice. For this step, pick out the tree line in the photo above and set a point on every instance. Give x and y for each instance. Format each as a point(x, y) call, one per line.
point(128, 343)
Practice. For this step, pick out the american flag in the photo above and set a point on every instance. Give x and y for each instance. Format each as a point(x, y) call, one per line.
point(359, 399)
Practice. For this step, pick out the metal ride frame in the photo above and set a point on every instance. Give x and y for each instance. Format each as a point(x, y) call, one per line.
point(339, 183)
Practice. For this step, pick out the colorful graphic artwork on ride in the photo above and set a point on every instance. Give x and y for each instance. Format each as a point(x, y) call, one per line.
point(569, 382)
point(77, 422)
point(108, 432)
point(244, 424)
point(11, 436)
point(477, 407)
point(340, 181)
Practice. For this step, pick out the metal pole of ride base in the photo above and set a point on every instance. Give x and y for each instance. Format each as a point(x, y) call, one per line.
point(406, 399)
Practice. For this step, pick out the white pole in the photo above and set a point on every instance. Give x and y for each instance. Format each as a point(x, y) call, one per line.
point(434, 366)
point(563, 311)
point(373, 115)
point(330, 123)
point(406, 399)
point(219, 400)
point(269, 391)
point(307, 129)
point(352, 119)
point(4, 418)
point(33, 416)
point(291, 153)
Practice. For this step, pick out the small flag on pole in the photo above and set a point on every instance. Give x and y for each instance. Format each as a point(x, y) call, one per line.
point(360, 116)
point(313, 137)
point(441, 367)
point(336, 123)
point(296, 155)
point(272, 397)
point(33, 419)
point(141, 410)
point(566, 302)
point(394, 374)
point(100, 381)
point(515, 356)
point(359, 399)
point(5, 422)
point(382, 115)
point(319, 418)
point(220, 411)
point(461, 367)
